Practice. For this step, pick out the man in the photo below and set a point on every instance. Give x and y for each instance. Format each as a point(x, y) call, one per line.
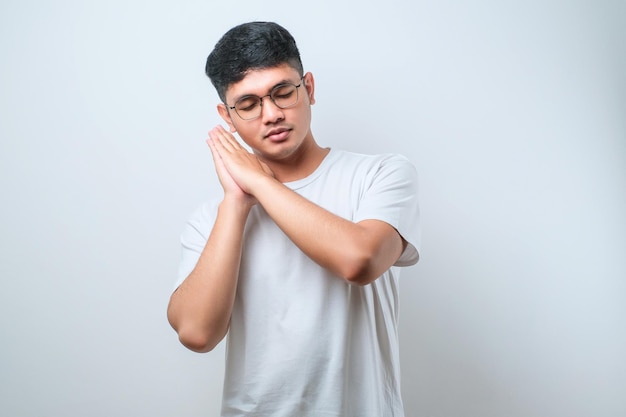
point(296, 262)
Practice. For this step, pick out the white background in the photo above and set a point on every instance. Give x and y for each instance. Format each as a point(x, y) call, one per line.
point(513, 111)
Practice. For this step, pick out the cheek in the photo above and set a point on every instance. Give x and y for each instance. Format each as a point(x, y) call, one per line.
point(305, 116)
point(248, 134)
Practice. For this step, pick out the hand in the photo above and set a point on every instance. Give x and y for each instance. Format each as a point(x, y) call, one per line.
point(231, 189)
point(240, 166)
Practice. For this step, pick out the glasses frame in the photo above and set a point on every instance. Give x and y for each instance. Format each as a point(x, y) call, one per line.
point(274, 89)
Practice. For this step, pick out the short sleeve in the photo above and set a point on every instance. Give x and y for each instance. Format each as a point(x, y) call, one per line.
point(193, 239)
point(391, 195)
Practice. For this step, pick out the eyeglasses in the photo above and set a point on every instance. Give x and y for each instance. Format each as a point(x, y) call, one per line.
point(283, 96)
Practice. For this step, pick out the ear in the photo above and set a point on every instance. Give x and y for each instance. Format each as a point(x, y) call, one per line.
point(225, 114)
point(309, 84)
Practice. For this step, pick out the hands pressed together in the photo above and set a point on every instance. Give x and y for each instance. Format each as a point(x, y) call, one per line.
point(237, 169)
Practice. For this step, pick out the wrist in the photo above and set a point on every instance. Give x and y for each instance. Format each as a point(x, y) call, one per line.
point(263, 186)
point(236, 205)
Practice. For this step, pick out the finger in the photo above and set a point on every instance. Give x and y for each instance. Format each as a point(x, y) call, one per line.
point(227, 138)
point(217, 140)
point(215, 154)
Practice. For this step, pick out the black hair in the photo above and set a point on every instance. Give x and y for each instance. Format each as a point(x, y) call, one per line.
point(250, 46)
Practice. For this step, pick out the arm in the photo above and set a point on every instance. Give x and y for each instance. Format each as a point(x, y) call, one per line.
point(358, 252)
point(200, 309)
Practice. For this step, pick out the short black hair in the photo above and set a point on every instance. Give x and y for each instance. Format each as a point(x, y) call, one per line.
point(250, 46)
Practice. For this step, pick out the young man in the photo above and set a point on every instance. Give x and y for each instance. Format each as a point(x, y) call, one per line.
point(297, 261)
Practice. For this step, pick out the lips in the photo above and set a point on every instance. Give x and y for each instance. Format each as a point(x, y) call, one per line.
point(278, 134)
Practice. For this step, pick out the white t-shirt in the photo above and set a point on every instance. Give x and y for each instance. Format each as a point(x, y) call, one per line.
point(303, 342)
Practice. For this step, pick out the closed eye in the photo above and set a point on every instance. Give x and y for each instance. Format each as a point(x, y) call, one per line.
point(247, 103)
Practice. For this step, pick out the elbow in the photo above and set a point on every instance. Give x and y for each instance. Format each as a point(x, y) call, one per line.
point(360, 280)
point(359, 271)
point(194, 336)
point(366, 263)
point(197, 340)
point(367, 259)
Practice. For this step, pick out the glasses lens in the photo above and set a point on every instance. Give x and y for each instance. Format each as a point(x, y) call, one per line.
point(285, 95)
point(248, 107)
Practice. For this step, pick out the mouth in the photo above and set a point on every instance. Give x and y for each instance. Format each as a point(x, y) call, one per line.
point(278, 134)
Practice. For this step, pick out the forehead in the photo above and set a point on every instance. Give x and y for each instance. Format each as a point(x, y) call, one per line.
point(260, 81)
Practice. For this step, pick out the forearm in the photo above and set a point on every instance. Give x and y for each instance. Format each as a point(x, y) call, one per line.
point(201, 307)
point(357, 252)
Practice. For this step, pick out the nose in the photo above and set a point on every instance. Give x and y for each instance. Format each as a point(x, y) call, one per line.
point(270, 112)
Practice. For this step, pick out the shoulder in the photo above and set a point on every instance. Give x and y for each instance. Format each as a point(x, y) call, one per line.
point(343, 157)
point(376, 164)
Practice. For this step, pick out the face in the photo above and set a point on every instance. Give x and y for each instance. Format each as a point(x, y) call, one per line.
point(278, 134)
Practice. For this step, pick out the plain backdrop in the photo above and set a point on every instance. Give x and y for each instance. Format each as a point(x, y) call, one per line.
point(514, 113)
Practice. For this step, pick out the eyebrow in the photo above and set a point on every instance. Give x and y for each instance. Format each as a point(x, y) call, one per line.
point(284, 81)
